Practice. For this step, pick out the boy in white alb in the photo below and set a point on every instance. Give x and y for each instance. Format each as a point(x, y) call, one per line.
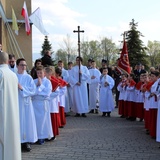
point(62, 97)
point(130, 98)
point(93, 87)
point(158, 113)
point(41, 106)
point(54, 99)
point(26, 89)
point(121, 89)
point(106, 102)
point(153, 103)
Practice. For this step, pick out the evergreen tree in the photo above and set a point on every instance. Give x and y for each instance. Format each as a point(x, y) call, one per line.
point(136, 49)
point(46, 46)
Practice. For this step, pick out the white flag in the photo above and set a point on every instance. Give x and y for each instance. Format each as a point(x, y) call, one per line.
point(36, 19)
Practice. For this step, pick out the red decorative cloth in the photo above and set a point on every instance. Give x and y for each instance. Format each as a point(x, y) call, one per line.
point(123, 62)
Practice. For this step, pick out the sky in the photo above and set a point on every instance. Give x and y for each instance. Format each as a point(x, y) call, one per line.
point(98, 18)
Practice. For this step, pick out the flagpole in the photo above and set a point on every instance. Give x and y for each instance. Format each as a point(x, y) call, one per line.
point(124, 35)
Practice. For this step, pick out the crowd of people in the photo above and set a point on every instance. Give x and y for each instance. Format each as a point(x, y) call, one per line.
point(47, 95)
point(141, 100)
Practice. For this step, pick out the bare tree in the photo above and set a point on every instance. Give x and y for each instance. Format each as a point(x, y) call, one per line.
point(68, 48)
point(109, 49)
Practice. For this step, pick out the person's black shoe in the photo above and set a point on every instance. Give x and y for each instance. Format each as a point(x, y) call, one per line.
point(52, 139)
point(96, 111)
point(47, 140)
point(104, 114)
point(41, 141)
point(28, 147)
point(25, 147)
point(91, 111)
point(122, 116)
point(67, 115)
point(77, 115)
point(141, 120)
point(128, 118)
point(84, 115)
point(61, 126)
point(147, 132)
point(133, 118)
point(108, 114)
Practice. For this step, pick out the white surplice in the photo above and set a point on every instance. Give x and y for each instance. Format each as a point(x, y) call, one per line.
point(70, 93)
point(80, 94)
point(158, 123)
point(54, 99)
point(106, 102)
point(153, 101)
point(157, 92)
point(27, 117)
point(121, 90)
point(62, 96)
point(10, 148)
point(41, 104)
point(94, 88)
point(65, 76)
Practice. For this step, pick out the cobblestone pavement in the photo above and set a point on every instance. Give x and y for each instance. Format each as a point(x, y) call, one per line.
point(98, 138)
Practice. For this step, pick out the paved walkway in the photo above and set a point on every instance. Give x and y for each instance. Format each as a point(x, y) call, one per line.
point(98, 138)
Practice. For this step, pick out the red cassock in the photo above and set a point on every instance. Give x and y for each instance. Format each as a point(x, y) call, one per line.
point(121, 102)
point(153, 122)
point(153, 118)
point(140, 105)
point(147, 87)
point(124, 104)
point(131, 109)
point(55, 116)
point(62, 118)
point(55, 123)
point(121, 107)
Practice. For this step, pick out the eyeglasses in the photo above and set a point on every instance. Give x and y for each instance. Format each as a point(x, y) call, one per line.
point(22, 65)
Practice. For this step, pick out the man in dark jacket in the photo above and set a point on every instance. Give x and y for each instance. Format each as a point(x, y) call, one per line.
point(46, 59)
point(104, 65)
point(138, 71)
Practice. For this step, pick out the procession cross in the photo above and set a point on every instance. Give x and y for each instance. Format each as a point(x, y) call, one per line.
point(79, 54)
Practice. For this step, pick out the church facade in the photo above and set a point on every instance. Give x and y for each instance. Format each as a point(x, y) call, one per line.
point(20, 45)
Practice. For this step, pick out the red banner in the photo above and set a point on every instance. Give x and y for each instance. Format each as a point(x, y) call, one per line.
point(123, 62)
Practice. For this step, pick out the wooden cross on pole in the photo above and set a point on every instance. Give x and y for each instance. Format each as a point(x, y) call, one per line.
point(79, 53)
